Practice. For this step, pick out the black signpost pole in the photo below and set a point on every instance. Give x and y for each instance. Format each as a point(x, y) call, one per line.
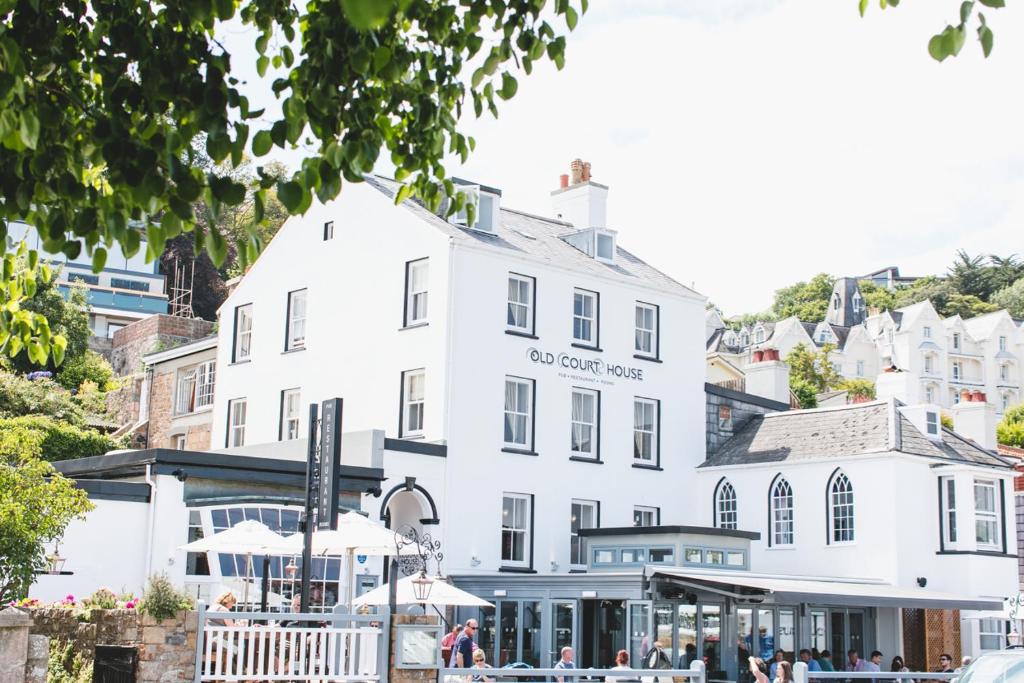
point(330, 463)
point(308, 517)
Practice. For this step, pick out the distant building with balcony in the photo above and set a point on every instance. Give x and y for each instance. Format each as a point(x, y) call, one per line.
point(126, 290)
point(947, 356)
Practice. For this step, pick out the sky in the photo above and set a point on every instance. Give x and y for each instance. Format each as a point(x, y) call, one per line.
point(749, 144)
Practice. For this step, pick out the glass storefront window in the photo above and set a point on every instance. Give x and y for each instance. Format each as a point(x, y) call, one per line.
point(663, 625)
point(661, 555)
point(838, 638)
point(714, 557)
point(711, 635)
point(639, 638)
point(765, 634)
point(819, 631)
point(508, 626)
point(857, 632)
point(744, 642)
point(686, 635)
point(693, 556)
point(531, 633)
point(787, 634)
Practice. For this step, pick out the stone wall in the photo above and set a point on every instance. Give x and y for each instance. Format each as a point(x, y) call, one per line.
point(742, 408)
point(155, 333)
point(166, 648)
point(409, 675)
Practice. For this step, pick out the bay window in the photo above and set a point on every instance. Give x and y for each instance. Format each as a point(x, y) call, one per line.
point(986, 514)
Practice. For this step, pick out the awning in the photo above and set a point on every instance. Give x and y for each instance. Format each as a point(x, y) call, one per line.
point(754, 588)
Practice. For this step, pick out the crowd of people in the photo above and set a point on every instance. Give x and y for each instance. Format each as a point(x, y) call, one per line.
point(781, 671)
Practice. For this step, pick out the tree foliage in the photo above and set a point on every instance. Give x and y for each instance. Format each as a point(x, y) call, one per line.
point(949, 41)
point(813, 367)
point(20, 395)
point(858, 388)
point(805, 300)
point(59, 440)
point(87, 367)
point(66, 317)
point(1011, 298)
point(101, 104)
point(36, 506)
point(1010, 430)
point(24, 331)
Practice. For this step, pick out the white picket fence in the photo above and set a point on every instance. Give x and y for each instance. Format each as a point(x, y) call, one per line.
point(349, 648)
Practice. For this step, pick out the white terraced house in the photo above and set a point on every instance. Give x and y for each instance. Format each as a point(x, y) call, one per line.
point(946, 355)
point(543, 378)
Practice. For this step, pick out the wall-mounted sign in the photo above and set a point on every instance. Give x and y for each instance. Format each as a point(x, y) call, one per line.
point(581, 367)
point(361, 559)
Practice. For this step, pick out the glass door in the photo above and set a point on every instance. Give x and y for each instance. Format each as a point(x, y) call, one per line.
point(766, 634)
point(744, 643)
point(839, 640)
point(564, 624)
point(640, 629)
point(686, 636)
point(711, 637)
point(819, 631)
point(530, 638)
point(508, 631)
point(787, 634)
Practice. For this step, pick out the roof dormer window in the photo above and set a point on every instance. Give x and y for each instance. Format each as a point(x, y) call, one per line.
point(484, 203)
point(597, 243)
point(605, 246)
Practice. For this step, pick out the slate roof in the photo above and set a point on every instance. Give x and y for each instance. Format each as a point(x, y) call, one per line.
point(541, 238)
point(842, 334)
point(857, 429)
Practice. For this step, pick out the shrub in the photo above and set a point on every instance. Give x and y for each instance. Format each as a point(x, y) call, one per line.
point(59, 440)
point(806, 393)
point(1010, 431)
point(858, 388)
point(20, 395)
point(162, 600)
point(89, 367)
point(65, 665)
point(103, 598)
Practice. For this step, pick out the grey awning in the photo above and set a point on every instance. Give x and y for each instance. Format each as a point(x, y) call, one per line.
point(756, 587)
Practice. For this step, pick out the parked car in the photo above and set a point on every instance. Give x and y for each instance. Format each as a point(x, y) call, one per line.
point(1006, 666)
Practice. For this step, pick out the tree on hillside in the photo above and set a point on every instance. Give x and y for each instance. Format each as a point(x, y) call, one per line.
point(1010, 430)
point(104, 102)
point(208, 288)
point(1011, 298)
point(813, 367)
point(805, 300)
point(68, 317)
point(36, 505)
point(969, 275)
point(876, 296)
point(1005, 270)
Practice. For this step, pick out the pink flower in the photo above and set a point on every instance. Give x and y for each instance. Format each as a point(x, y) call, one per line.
point(130, 604)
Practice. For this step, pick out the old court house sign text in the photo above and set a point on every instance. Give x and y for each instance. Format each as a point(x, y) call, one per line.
point(588, 368)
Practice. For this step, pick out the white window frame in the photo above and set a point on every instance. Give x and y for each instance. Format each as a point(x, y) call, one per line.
point(927, 332)
point(238, 409)
point(759, 335)
point(958, 369)
point(990, 518)
point(578, 544)
point(516, 309)
point(295, 334)
point(993, 628)
point(932, 422)
point(515, 412)
point(783, 523)
point(841, 507)
point(580, 423)
point(646, 511)
point(654, 457)
point(291, 415)
point(643, 332)
point(956, 341)
point(929, 364)
point(929, 394)
point(948, 504)
point(179, 442)
point(526, 531)
point(328, 230)
point(417, 291)
point(598, 236)
point(1002, 343)
point(595, 299)
point(242, 346)
point(726, 506)
point(1004, 372)
point(413, 404)
point(860, 368)
point(194, 388)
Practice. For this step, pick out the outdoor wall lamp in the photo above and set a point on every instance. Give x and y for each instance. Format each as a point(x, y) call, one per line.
point(55, 561)
point(292, 569)
point(922, 581)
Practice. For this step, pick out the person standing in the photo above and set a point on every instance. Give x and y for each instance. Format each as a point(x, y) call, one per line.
point(805, 657)
point(462, 651)
point(778, 658)
point(448, 642)
point(565, 661)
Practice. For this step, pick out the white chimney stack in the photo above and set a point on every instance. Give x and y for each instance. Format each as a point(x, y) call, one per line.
point(900, 385)
point(579, 200)
point(975, 419)
point(768, 379)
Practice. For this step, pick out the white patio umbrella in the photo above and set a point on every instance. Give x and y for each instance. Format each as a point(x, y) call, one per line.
point(355, 535)
point(245, 538)
point(441, 594)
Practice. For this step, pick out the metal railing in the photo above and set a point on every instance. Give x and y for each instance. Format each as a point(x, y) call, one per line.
point(325, 647)
point(695, 674)
point(802, 675)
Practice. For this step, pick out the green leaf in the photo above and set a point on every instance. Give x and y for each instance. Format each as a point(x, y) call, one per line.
point(262, 62)
point(986, 38)
point(290, 194)
point(995, 4)
point(965, 10)
point(58, 345)
point(367, 14)
point(99, 259)
point(508, 86)
point(937, 47)
point(262, 143)
point(216, 247)
point(571, 18)
point(29, 129)
point(863, 7)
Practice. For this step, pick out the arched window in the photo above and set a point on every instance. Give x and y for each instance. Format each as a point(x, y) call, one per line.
point(781, 531)
point(840, 508)
point(725, 505)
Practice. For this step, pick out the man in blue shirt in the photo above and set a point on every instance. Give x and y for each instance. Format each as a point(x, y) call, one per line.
point(805, 657)
point(462, 651)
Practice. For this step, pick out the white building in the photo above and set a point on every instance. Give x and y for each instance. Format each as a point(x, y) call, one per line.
point(872, 492)
point(948, 355)
point(563, 374)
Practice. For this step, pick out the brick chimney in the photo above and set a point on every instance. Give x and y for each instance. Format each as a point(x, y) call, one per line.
point(581, 202)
